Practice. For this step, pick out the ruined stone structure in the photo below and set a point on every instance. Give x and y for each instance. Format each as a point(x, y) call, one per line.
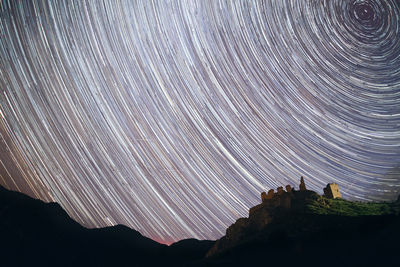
point(270, 194)
point(302, 184)
point(280, 190)
point(284, 199)
point(289, 188)
point(282, 196)
point(332, 191)
point(263, 197)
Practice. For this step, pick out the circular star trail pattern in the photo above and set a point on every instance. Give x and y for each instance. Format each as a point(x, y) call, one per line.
point(172, 116)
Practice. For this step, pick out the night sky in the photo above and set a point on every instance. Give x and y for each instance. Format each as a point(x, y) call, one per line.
point(171, 117)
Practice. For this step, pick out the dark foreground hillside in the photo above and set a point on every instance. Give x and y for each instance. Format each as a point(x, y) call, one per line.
point(296, 229)
point(302, 228)
point(34, 233)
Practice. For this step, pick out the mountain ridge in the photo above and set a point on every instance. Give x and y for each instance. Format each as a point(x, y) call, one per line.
point(308, 227)
point(37, 233)
point(311, 228)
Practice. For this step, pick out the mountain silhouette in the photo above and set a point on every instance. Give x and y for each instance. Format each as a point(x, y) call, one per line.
point(302, 228)
point(296, 228)
point(34, 233)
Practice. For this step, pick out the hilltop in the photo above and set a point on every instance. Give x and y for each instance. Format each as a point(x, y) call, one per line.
point(35, 233)
point(300, 227)
point(288, 228)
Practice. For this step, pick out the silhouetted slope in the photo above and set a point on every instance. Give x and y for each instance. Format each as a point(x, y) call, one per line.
point(300, 229)
point(305, 231)
point(34, 233)
point(190, 249)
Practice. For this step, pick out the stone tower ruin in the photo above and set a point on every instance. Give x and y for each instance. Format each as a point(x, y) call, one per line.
point(302, 184)
point(332, 191)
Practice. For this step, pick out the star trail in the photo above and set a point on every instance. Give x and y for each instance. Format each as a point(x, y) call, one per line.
point(171, 117)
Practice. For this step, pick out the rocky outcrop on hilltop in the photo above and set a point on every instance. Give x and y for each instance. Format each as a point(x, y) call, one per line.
point(275, 207)
point(286, 218)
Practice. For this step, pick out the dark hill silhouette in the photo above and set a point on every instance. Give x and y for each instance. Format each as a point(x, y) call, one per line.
point(34, 233)
point(188, 250)
point(299, 228)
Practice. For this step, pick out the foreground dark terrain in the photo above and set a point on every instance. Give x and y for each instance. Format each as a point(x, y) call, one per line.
point(34, 233)
point(298, 228)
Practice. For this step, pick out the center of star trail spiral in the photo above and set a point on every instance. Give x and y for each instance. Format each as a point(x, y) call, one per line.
point(364, 11)
point(172, 116)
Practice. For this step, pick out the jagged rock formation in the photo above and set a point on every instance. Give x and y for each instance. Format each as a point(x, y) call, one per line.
point(274, 205)
point(291, 221)
point(34, 233)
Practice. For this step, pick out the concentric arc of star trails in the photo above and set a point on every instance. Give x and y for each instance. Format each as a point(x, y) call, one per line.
point(172, 116)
